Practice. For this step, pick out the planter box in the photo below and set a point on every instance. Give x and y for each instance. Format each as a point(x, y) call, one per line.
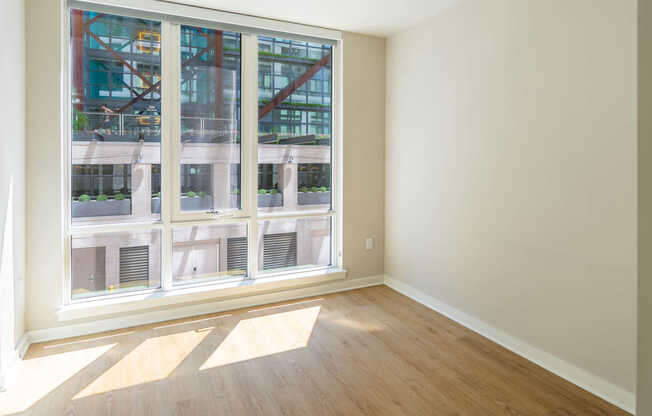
point(269, 200)
point(198, 203)
point(107, 208)
point(314, 198)
point(156, 205)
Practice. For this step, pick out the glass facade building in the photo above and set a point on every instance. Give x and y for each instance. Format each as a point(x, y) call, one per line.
point(117, 98)
point(117, 168)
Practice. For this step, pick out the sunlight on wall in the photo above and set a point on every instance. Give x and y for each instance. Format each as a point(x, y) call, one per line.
point(51, 371)
point(155, 358)
point(265, 335)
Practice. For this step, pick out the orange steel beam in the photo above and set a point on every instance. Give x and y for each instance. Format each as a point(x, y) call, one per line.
point(93, 20)
point(292, 87)
point(77, 26)
point(217, 61)
point(119, 58)
point(157, 85)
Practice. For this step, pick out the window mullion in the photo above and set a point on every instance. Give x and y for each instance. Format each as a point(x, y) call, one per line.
point(170, 92)
point(249, 110)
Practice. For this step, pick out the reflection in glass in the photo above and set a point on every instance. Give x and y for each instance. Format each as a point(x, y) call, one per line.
point(116, 116)
point(209, 252)
point(294, 127)
point(294, 244)
point(110, 263)
point(210, 119)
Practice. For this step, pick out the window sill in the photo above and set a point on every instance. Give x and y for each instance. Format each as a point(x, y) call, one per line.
point(196, 293)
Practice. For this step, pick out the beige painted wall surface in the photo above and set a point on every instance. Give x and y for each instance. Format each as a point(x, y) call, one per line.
point(44, 225)
point(12, 163)
point(363, 160)
point(364, 153)
point(511, 172)
point(644, 364)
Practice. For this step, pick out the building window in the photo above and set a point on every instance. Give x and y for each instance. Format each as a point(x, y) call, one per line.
point(203, 208)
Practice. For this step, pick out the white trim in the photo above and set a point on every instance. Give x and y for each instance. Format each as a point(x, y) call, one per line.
point(11, 370)
point(200, 16)
point(576, 375)
point(170, 69)
point(49, 334)
point(171, 216)
point(337, 153)
point(65, 155)
point(249, 145)
point(139, 301)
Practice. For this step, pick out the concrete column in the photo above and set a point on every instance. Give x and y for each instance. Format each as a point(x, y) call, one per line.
point(112, 266)
point(221, 185)
point(262, 230)
point(304, 242)
point(222, 254)
point(288, 185)
point(141, 189)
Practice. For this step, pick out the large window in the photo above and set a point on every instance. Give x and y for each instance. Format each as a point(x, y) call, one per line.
point(187, 166)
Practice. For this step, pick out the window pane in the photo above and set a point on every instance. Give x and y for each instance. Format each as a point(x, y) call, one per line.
point(294, 244)
point(210, 119)
point(116, 117)
point(209, 252)
point(111, 263)
point(294, 128)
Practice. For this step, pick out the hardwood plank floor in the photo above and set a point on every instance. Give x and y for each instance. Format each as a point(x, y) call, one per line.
point(369, 351)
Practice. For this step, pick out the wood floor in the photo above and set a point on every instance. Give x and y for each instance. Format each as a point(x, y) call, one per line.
point(369, 351)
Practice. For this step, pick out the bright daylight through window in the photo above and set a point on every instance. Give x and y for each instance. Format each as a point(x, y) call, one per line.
point(162, 192)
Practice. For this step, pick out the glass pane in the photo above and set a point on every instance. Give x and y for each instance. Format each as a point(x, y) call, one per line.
point(294, 244)
point(116, 117)
point(209, 252)
point(294, 127)
point(210, 119)
point(110, 263)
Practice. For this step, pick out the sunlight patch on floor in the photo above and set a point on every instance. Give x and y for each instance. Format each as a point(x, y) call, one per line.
point(40, 376)
point(86, 340)
point(265, 335)
point(155, 359)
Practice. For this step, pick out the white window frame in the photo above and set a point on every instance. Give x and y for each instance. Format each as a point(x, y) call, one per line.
point(171, 17)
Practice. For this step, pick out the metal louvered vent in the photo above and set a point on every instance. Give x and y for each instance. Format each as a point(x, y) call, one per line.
point(280, 250)
point(236, 255)
point(134, 264)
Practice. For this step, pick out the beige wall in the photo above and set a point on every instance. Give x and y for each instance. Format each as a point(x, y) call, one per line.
point(511, 172)
point(364, 153)
point(644, 364)
point(363, 159)
point(12, 173)
point(44, 221)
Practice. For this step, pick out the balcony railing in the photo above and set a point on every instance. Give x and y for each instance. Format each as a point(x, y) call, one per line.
point(147, 127)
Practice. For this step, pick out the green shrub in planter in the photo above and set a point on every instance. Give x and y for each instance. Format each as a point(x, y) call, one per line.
point(236, 191)
point(102, 197)
point(303, 189)
point(323, 189)
point(158, 194)
point(119, 197)
point(262, 191)
point(80, 121)
point(84, 198)
point(314, 189)
point(191, 194)
point(202, 194)
point(273, 191)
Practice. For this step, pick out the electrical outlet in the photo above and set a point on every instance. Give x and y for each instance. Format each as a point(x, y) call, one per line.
point(369, 244)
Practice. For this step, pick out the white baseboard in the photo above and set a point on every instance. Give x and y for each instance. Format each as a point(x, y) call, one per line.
point(11, 370)
point(73, 330)
point(582, 378)
point(596, 385)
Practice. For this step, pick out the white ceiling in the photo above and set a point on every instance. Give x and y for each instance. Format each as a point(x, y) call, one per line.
point(373, 17)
